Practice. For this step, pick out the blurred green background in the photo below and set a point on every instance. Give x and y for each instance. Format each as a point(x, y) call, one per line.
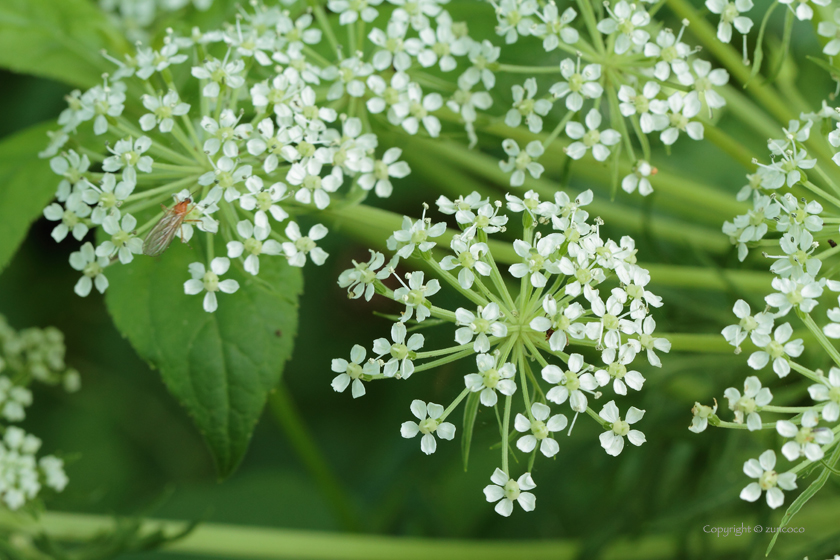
point(138, 452)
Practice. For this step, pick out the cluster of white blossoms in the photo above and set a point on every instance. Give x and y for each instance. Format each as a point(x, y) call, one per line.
point(28, 356)
point(794, 231)
point(575, 289)
point(622, 65)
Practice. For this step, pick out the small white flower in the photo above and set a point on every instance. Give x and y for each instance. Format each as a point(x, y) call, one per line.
point(468, 258)
point(413, 235)
point(217, 73)
point(755, 396)
point(300, 245)
point(702, 413)
point(613, 439)
point(521, 161)
point(768, 480)
point(807, 439)
point(540, 430)
point(163, 108)
point(401, 352)
point(208, 280)
point(679, 110)
point(482, 325)
point(505, 491)
point(379, 177)
point(361, 279)
point(85, 261)
point(644, 329)
point(128, 155)
point(556, 27)
point(525, 106)
point(561, 322)
point(828, 390)
point(626, 20)
point(572, 384)
point(780, 349)
point(597, 141)
point(730, 14)
point(761, 323)
point(579, 84)
point(254, 243)
point(616, 362)
point(414, 296)
point(352, 371)
point(803, 11)
point(123, 242)
point(536, 259)
point(430, 423)
point(491, 378)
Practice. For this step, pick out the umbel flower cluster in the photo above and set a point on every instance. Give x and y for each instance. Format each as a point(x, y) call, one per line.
point(574, 289)
point(244, 129)
point(28, 356)
point(794, 230)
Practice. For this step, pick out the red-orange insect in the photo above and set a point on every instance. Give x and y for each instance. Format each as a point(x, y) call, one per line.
point(164, 231)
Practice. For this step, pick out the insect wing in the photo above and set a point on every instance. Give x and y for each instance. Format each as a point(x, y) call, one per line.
point(162, 234)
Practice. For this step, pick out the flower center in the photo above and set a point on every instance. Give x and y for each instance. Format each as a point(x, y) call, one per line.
point(768, 480)
point(428, 425)
point(211, 281)
point(512, 490)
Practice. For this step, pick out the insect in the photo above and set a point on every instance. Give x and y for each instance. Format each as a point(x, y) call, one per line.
point(162, 234)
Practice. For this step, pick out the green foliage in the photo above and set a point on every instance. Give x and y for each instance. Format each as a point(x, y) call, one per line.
point(470, 412)
point(27, 184)
point(58, 40)
point(220, 366)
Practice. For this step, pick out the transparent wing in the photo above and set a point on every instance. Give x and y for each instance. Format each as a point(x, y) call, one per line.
point(161, 235)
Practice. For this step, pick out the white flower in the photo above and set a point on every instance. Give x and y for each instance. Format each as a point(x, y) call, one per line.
point(105, 101)
point(13, 400)
point(701, 413)
point(768, 480)
point(730, 14)
point(804, 12)
point(264, 201)
point(513, 19)
point(430, 423)
point(217, 73)
point(520, 161)
point(780, 349)
point(401, 352)
point(505, 491)
point(800, 293)
point(491, 378)
point(828, 390)
point(150, 61)
point(480, 326)
point(613, 439)
point(556, 27)
point(755, 396)
point(123, 242)
point(571, 384)
point(536, 259)
point(626, 19)
point(527, 107)
point(632, 103)
point(254, 243)
point(379, 177)
point(540, 430)
point(361, 279)
point(414, 296)
point(350, 11)
point(806, 439)
point(350, 75)
point(225, 133)
point(672, 52)
point(128, 155)
point(392, 47)
point(590, 139)
point(468, 257)
point(107, 197)
point(616, 361)
point(560, 321)
point(645, 328)
point(579, 85)
point(679, 110)
point(300, 245)
point(441, 45)
point(203, 279)
point(482, 55)
point(830, 30)
point(415, 235)
point(416, 109)
point(163, 108)
point(761, 323)
point(313, 188)
point(85, 261)
point(71, 216)
point(352, 371)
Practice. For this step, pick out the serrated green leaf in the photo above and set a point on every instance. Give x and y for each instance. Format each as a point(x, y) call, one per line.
point(60, 40)
point(804, 497)
point(470, 412)
point(27, 184)
point(222, 365)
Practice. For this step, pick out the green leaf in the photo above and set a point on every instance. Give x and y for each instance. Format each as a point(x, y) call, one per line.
point(222, 365)
point(470, 412)
point(58, 39)
point(805, 496)
point(27, 184)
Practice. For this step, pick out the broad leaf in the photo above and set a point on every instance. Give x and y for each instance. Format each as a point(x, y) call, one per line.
point(27, 184)
point(58, 39)
point(220, 366)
